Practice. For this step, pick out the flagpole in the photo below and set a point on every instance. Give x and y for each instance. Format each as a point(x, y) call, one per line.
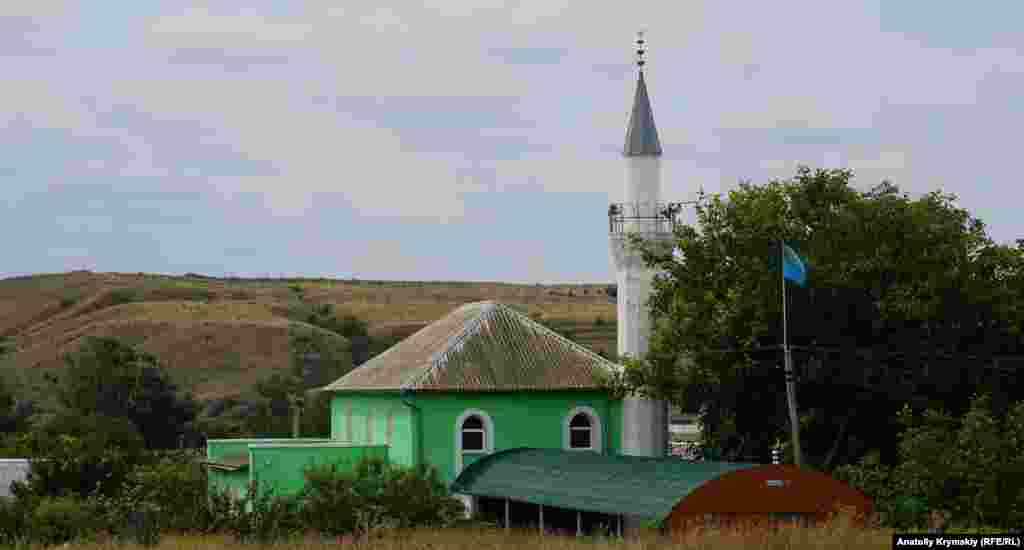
point(790, 386)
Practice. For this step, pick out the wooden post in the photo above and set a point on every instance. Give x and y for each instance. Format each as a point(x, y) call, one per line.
point(579, 523)
point(296, 401)
point(506, 515)
point(542, 519)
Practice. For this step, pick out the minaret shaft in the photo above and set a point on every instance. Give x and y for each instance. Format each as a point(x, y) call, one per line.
point(644, 421)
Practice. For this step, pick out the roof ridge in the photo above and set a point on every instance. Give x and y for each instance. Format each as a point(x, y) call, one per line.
point(434, 361)
point(547, 330)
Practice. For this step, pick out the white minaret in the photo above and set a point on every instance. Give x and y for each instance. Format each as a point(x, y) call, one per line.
point(644, 421)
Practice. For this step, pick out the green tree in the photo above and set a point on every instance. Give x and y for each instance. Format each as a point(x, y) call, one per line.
point(110, 378)
point(902, 293)
point(972, 465)
point(7, 412)
point(319, 355)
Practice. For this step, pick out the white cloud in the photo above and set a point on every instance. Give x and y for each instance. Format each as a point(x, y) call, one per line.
point(197, 27)
point(774, 65)
point(885, 161)
point(33, 8)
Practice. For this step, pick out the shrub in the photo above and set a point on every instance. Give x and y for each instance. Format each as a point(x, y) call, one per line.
point(330, 501)
point(263, 518)
point(376, 493)
point(143, 525)
point(61, 519)
point(972, 466)
point(124, 296)
point(13, 521)
point(418, 498)
point(175, 486)
point(71, 465)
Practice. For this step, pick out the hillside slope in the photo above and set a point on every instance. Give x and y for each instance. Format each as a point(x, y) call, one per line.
point(217, 337)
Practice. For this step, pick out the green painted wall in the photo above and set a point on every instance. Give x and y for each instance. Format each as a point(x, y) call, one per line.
point(382, 419)
point(220, 448)
point(521, 419)
point(238, 482)
point(282, 466)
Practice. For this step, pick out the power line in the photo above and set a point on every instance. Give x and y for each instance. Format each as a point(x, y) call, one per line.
point(882, 355)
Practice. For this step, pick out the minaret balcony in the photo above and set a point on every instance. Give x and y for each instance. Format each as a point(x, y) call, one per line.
point(648, 219)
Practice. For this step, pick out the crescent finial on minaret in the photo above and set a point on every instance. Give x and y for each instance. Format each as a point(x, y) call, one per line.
point(641, 134)
point(640, 50)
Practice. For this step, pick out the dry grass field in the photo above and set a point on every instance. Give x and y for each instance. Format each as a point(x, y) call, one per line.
point(218, 336)
point(829, 538)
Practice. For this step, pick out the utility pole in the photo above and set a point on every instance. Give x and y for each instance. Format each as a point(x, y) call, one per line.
point(297, 401)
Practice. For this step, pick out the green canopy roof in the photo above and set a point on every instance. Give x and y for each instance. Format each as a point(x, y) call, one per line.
point(587, 481)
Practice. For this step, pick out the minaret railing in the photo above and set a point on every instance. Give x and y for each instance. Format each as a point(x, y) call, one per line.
point(643, 217)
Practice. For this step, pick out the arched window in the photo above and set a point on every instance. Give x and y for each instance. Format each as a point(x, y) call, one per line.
point(473, 434)
point(579, 432)
point(582, 430)
point(474, 437)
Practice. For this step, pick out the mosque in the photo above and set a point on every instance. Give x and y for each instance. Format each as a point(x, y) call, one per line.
point(514, 416)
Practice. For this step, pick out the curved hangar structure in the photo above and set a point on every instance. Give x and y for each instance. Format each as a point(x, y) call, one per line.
point(584, 492)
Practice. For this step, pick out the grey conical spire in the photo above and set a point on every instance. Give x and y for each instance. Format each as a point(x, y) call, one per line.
point(641, 134)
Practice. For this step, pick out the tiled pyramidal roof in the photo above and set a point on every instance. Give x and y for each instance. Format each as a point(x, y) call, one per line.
point(480, 346)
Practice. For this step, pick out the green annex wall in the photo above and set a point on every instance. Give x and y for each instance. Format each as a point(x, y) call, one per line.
point(222, 448)
point(382, 419)
point(280, 467)
point(520, 419)
point(237, 482)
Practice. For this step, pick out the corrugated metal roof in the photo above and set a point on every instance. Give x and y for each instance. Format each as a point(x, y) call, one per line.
point(11, 470)
point(630, 485)
point(230, 463)
point(641, 134)
point(479, 346)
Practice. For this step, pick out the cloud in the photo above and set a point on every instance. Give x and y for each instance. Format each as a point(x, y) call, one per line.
point(36, 8)
point(528, 56)
point(225, 59)
point(297, 125)
point(204, 29)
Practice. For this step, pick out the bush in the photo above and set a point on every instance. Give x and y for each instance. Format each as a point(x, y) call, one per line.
point(120, 296)
point(330, 501)
point(143, 525)
point(74, 466)
point(972, 466)
point(263, 518)
point(373, 494)
point(61, 519)
point(175, 486)
point(13, 521)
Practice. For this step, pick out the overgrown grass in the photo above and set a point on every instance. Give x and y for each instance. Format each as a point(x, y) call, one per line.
point(499, 539)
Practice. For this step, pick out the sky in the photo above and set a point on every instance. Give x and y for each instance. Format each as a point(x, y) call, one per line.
point(468, 140)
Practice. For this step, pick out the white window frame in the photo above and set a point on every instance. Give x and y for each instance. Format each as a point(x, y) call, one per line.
point(595, 430)
point(488, 435)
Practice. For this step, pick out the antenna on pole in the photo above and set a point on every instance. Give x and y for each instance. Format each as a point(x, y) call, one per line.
point(640, 50)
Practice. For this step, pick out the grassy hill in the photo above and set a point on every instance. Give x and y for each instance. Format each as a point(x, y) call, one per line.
point(219, 336)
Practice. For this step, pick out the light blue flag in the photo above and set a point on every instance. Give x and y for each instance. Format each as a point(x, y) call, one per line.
point(792, 266)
